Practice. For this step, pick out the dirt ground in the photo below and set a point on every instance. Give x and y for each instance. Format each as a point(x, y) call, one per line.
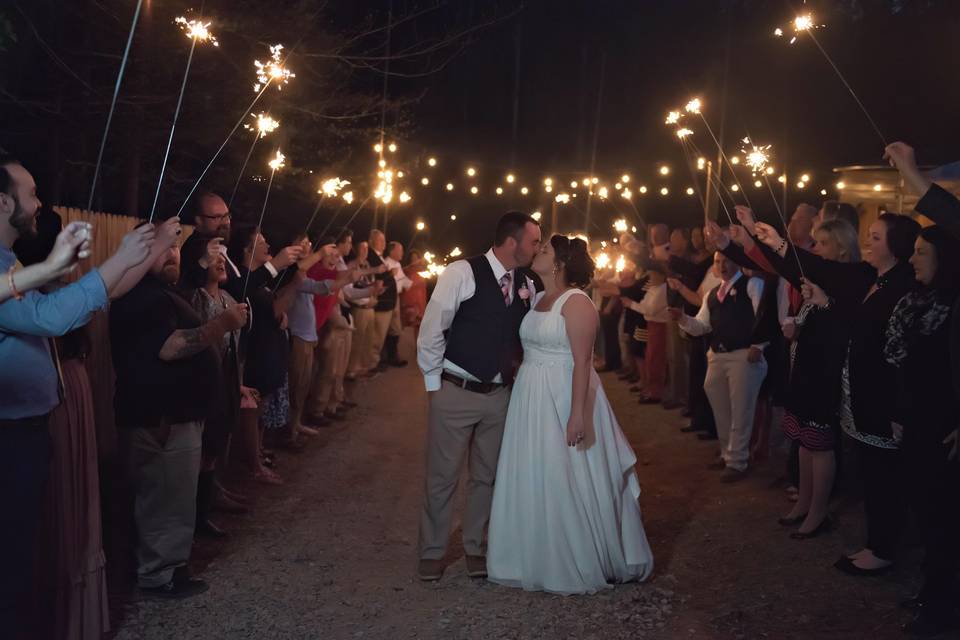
point(332, 553)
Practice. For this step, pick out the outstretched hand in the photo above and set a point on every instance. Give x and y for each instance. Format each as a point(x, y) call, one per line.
point(72, 244)
point(746, 218)
point(813, 294)
point(715, 235)
point(768, 235)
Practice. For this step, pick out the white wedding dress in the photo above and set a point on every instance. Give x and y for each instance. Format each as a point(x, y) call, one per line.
point(563, 520)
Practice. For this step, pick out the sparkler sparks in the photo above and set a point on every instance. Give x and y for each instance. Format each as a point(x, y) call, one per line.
point(800, 24)
point(348, 197)
point(673, 117)
point(693, 106)
point(272, 70)
point(683, 133)
point(333, 186)
point(621, 264)
point(620, 225)
point(562, 198)
point(602, 260)
point(757, 157)
point(278, 162)
point(196, 30)
point(263, 124)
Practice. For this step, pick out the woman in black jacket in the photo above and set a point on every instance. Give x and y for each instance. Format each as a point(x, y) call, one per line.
point(872, 288)
point(926, 417)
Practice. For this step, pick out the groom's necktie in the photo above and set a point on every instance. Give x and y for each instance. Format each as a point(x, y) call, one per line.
point(505, 287)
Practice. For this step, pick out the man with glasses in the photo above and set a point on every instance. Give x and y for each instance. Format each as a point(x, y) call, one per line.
point(212, 224)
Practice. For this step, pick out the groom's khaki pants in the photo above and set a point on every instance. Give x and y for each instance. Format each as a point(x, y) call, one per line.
point(461, 421)
point(732, 385)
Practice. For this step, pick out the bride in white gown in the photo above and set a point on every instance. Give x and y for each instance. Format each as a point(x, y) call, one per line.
point(565, 516)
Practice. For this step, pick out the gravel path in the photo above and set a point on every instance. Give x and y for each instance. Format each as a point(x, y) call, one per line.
point(332, 553)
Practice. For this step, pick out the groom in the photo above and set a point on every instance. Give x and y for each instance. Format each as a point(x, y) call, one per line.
point(468, 350)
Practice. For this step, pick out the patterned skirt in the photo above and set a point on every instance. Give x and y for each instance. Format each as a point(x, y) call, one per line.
point(811, 435)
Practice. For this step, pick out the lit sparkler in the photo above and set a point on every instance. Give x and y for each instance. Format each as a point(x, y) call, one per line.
point(348, 197)
point(562, 198)
point(800, 24)
point(693, 106)
point(674, 117)
point(683, 133)
point(279, 161)
point(196, 30)
point(602, 260)
point(272, 70)
point(621, 264)
point(757, 157)
point(333, 186)
point(620, 225)
point(263, 124)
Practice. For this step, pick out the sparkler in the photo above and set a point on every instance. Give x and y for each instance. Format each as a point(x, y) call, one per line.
point(695, 105)
point(805, 24)
point(602, 261)
point(620, 225)
point(562, 198)
point(683, 133)
point(284, 76)
point(262, 125)
point(272, 70)
point(673, 117)
point(197, 32)
point(621, 264)
point(757, 157)
point(276, 163)
point(113, 102)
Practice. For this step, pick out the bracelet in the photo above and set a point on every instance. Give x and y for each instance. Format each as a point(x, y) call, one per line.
point(13, 287)
point(782, 246)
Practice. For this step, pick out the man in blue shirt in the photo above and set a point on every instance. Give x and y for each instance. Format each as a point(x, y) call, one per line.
point(29, 375)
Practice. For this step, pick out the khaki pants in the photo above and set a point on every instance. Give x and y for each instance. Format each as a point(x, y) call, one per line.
point(301, 374)
point(164, 466)
point(381, 325)
point(328, 358)
point(732, 385)
point(460, 421)
point(363, 327)
point(678, 366)
point(339, 393)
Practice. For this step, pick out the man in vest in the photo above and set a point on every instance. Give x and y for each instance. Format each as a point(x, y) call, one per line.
point(735, 363)
point(468, 350)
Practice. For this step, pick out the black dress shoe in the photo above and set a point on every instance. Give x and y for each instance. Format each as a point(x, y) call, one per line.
point(707, 436)
point(208, 529)
point(825, 526)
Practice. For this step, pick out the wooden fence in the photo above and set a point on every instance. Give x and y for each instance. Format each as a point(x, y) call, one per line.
point(108, 231)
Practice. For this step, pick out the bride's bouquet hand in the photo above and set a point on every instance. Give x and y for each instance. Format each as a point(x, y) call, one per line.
point(576, 431)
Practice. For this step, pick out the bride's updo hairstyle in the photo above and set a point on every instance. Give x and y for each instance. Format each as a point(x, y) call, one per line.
point(573, 256)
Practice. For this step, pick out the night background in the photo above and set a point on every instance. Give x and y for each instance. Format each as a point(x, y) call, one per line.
point(503, 86)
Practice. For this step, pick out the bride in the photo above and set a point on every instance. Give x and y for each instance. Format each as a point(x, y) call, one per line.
point(565, 516)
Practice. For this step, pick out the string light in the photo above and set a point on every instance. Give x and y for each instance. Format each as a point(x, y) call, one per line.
point(562, 198)
point(471, 171)
point(511, 178)
point(782, 179)
point(690, 191)
point(878, 187)
point(499, 191)
point(574, 184)
point(449, 186)
point(841, 185)
point(424, 181)
point(524, 190)
point(735, 187)
point(625, 179)
point(664, 191)
point(757, 184)
point(392, 148)
point(432, 162)
point(801, 185)
point(421, 226)
point(378, 148)
point(664, 170)
point(453, 216)
point(823, 192)
point(536, 215)
point(642, 189)
point(548, 182)
point(770, 171)
point(734, 159)
point(548, 189)
point(474, 190)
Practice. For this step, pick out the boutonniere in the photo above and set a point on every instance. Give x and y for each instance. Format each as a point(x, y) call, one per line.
point(524, 294)
point(733, 293)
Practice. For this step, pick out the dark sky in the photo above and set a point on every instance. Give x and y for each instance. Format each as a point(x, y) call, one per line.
point(560, 70)
point(897, 56)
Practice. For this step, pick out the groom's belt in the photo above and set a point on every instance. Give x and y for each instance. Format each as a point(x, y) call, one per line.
point(470, 385)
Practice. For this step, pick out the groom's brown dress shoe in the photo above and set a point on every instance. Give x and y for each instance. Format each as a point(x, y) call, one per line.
point(430, 570)
point(477, 566)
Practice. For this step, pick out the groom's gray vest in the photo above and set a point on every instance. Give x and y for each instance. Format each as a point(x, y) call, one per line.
point(484, 338)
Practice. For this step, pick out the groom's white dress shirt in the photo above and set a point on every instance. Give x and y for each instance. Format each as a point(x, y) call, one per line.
point(455, 285)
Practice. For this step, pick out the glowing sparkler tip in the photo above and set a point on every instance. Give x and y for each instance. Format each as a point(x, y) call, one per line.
point(620, 225)
point(348, 197)
point(683, 133)
point(263, 124)
point(272, 70)
point(333, 186)
point(694, 106)
point(278, 161)
point(196, 30)
point(674, 117)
